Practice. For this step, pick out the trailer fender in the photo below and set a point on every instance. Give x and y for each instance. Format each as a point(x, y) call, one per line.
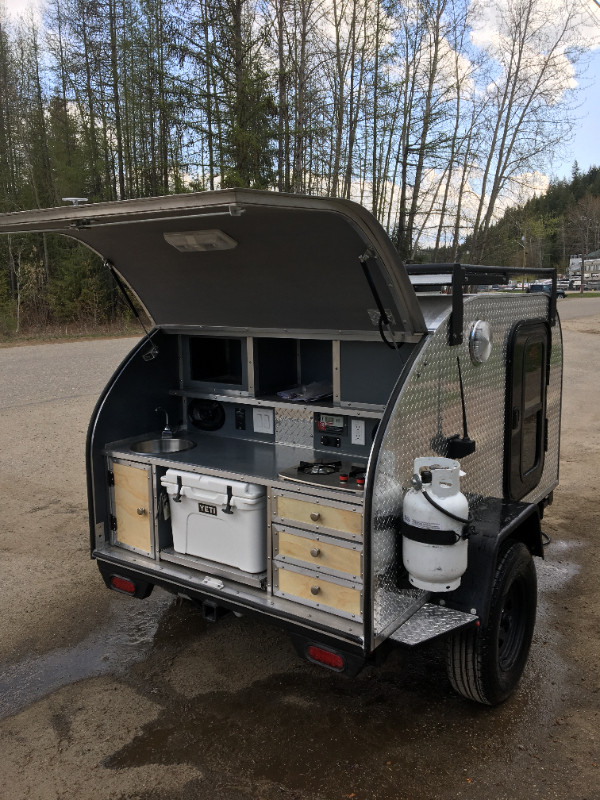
point(494, 522)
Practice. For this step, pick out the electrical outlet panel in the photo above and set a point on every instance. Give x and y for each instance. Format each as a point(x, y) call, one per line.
point(357, 431)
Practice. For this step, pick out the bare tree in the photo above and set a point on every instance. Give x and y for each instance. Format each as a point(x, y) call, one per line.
point(522, 102)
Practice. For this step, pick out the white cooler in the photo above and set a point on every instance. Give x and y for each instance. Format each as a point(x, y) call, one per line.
point(205, 525)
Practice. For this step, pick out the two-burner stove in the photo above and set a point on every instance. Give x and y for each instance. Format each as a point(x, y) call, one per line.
point(328, 474)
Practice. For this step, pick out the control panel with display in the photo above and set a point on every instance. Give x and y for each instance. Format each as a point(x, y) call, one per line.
point(331, 423)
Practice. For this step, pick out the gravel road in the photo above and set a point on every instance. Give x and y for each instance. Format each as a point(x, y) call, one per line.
point(105, 697)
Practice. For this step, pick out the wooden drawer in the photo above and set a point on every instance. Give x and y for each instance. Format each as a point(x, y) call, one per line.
point(321, 553)
point(318, 515)
point(317, 591)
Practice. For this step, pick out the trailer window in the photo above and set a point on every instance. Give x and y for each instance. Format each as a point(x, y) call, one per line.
point(526, 407)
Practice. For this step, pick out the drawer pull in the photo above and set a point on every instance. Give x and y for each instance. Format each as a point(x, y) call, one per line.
point(315, 516)
point(141, 511)
point(315, 589)
point(315, 552)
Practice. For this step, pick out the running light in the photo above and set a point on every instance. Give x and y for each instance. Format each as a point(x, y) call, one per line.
point(122, 584)
point(325, 657)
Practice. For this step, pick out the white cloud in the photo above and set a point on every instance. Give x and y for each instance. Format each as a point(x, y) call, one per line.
point(491, 21)
point(16, 8)
point(557, 32)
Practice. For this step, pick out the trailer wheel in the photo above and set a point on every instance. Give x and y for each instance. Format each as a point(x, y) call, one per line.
point(485, 664)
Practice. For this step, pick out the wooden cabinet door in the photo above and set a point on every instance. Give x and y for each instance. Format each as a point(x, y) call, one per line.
point(132, 498)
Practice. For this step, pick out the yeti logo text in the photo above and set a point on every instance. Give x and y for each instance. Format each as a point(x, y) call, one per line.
point(204, 508)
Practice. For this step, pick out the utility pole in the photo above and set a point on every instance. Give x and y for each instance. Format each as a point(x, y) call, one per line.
point(524, 263)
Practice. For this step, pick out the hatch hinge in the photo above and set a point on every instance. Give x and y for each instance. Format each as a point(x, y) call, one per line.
point(110, 477)
point(113, 522)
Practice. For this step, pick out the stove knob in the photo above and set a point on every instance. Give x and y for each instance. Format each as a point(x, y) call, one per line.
point(315, 516)
point(315, 552)
point(343, 477)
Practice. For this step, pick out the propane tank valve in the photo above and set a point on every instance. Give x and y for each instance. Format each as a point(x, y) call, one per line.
point(416, 482)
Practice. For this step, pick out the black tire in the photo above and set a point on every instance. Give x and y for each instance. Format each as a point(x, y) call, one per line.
point(485, 664)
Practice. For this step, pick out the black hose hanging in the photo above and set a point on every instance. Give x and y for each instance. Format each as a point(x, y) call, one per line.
point(443, 510)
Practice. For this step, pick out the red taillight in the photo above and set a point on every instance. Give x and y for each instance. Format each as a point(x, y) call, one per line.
point(325, 657)
point(122, 584)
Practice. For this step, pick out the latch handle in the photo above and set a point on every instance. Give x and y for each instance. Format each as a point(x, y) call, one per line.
point(177, 498)
point(228, 509)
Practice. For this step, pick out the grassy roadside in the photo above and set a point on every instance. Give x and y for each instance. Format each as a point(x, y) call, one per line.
point(74, 333)
point(70, 333)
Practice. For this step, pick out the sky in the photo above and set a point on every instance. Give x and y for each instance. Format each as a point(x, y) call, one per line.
point(584, 145)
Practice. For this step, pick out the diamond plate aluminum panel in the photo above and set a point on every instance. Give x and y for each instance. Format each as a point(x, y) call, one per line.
point(405, 603)
point(294, 426)
point(431, 621)
point(428, 410)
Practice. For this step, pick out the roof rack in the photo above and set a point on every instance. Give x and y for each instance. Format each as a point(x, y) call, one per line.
point(460, 275)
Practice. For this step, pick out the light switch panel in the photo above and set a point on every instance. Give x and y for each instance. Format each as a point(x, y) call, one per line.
point(262, 419)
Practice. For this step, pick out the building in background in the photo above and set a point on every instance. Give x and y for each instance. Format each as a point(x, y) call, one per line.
point(591, 270)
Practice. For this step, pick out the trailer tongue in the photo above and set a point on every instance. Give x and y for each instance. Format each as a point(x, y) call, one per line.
point(255, 451)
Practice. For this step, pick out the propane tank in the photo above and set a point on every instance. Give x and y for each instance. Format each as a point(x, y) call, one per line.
point(435, 513)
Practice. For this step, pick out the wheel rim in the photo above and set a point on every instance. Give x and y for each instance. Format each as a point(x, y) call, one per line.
point(511, 630)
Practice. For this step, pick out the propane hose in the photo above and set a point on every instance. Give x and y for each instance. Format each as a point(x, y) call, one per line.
point(444, 510)
point(417, 483)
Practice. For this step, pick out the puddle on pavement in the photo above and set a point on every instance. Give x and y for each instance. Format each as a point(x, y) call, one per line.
point(332, 736)
point(125, 639)
point(308, 727)
point(557, 569)
point(339, 737)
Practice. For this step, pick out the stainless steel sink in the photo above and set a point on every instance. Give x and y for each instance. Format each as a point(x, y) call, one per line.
point(157, 446)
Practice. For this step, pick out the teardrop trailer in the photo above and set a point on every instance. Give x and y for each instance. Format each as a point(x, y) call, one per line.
point(313, 432)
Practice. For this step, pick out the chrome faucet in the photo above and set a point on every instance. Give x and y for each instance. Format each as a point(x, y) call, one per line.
point(167, 433)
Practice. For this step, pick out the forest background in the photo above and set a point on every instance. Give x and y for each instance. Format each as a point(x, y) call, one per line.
point(440, 116)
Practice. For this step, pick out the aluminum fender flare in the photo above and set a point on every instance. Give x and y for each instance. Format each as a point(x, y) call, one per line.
point(493, 522)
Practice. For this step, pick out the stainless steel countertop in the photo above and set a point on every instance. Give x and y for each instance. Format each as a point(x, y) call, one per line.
point(260, 462)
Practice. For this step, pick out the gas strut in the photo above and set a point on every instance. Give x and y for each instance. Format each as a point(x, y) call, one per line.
point(151, 354)
point(383, 317)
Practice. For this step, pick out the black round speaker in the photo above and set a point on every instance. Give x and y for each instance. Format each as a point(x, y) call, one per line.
point(207, 415)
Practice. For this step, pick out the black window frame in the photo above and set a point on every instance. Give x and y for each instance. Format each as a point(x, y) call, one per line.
point(521, 478)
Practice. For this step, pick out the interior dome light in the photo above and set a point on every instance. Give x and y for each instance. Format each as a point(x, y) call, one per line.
point(200, 241)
